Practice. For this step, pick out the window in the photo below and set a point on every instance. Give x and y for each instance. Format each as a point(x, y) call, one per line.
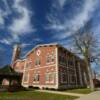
point(63, 77)
point(28, 64)
point(70, 63)
point(47, 77)
point(37, 61)
point(50, 77)
point(50, 58)
point(36, 77)
point(72, 78)
point(62, 60)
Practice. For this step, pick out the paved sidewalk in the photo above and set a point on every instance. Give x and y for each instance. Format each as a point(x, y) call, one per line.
point(92, 96)
point(62, 93)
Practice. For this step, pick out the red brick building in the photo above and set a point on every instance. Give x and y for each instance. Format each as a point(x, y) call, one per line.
point(52, 66)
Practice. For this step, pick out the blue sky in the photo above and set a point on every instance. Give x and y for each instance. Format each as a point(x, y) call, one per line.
point(31, 22)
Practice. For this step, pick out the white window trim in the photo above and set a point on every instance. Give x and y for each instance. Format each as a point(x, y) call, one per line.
point(54, 77)
point(39, 78)
point(62, 77)
point(50, 55)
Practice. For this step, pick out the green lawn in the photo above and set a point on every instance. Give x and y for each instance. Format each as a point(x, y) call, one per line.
point(81, 91)
point(33, 95)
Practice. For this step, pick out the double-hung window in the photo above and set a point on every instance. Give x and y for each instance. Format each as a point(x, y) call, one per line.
point(37, 61)
point(36, 77)
point(50, 77)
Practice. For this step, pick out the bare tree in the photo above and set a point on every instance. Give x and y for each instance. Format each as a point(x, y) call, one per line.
point(86, 43)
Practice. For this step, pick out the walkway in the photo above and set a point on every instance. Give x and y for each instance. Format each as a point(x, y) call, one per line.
point(62, 93)
point(92, 96)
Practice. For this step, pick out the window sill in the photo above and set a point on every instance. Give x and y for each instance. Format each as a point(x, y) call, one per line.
point(50, 63)
point(35, 81)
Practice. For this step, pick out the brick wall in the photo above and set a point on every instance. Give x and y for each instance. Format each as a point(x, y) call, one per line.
point(43, 68)
point(70, 73)
point(19, 65)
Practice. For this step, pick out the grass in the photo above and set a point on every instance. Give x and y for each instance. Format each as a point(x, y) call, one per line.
point(33, 95)
point(80, 91)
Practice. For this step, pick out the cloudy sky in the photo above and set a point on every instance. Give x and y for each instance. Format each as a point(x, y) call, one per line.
point(32, 22)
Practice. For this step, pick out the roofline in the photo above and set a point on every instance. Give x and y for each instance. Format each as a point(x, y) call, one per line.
point(53, 44)
point(72, 53)
point(19, 60)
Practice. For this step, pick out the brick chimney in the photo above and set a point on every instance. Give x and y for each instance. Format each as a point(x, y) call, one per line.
point(16, 53)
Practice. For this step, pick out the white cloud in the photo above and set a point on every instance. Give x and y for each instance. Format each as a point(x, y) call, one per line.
point(4, 13)
point(80, 19)
point(62, 2)
point(8, 11)
point(21, 25)
point(1, 18)
point(24, 45)
point(59, 4)
point(71, 25)
point(6, 41)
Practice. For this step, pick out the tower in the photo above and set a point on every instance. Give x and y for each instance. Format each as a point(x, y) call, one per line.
point(16, 53)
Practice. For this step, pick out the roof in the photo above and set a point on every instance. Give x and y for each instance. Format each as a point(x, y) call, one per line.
point(71, 53)
point(53, 44)
point(41, 45)
point(49, 44)
point(20, 60)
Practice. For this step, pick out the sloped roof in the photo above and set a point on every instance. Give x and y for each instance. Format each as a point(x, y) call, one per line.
point(49, 44)
point(53, 44)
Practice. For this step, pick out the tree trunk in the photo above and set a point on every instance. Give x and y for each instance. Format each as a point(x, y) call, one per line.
point(91, 83)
